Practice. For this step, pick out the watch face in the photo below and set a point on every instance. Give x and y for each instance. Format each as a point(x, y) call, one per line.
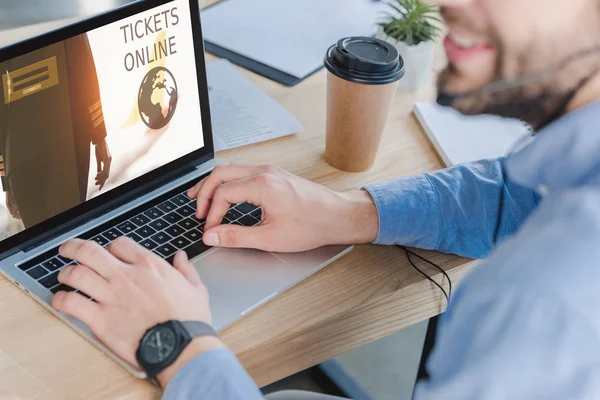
point(158, 345)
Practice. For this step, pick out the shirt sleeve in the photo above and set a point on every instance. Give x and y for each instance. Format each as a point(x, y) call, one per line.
point(215, 374)
point(456, 210)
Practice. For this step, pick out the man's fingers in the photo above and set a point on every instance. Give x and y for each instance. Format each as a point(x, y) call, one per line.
point(86, 280)
point(127, 250)
point(205, 189)
point(103, 175)
point(80, 307)
point(91, 254)
point(14, 211)
point(239, 191)
point(223, 173)
point(103, 162)
point(183, 265)
point(101, 180)
point(193, 191)
point(238, 237)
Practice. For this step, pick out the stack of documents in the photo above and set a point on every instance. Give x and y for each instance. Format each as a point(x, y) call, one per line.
point(241, 113)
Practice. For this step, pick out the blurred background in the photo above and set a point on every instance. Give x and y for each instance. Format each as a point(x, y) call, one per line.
point(25, 12)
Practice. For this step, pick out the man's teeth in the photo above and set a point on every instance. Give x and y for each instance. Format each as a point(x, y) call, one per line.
point(463, 42)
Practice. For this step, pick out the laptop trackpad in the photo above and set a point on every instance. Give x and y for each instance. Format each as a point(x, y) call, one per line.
point(238, 280)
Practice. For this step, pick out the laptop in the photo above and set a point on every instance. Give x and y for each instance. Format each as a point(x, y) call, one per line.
point(104, 125)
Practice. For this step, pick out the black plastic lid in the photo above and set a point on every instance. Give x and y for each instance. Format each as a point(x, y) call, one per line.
point(365, 60)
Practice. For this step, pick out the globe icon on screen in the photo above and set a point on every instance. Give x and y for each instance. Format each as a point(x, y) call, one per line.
point(157, 98)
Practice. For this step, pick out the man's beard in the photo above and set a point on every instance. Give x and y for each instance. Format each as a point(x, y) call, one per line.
point(538, 98)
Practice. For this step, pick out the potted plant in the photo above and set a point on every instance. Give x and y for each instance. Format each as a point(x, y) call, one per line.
point(412, 26)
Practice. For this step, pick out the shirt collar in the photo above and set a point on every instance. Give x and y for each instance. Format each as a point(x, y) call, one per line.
point(563, 155)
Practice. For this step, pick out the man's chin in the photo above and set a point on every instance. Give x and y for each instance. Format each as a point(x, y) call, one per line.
point(537, 103)
point(452, 98)
point(537, 109)
point(461, 102)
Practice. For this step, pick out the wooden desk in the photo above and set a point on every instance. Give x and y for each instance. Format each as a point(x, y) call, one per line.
point(368, 294)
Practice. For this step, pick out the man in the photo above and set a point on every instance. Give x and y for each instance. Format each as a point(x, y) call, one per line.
point(524, 324)
point(56, 86)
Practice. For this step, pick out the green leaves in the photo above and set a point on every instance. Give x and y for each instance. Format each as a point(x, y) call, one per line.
point(411, 22)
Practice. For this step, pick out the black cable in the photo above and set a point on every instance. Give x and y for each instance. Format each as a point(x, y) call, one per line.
point(436, 267)
point(428, 277)
point(447, 295)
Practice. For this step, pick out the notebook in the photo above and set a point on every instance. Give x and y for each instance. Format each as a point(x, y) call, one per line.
point(285, 40)
point(459, 139)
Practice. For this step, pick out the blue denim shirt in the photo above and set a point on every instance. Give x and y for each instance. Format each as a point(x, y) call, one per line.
point(525, 324)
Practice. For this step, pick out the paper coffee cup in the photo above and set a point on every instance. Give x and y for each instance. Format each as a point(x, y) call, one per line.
point(362, 77)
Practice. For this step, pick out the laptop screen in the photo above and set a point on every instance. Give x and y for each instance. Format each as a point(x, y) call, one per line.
point(85, 115)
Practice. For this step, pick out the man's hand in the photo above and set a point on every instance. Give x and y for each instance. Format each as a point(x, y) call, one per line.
point(103, 161)
point(12, 206)
point(297, 214)
point(134, 290)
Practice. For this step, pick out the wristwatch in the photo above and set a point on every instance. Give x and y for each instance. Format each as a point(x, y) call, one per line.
point(162, 344)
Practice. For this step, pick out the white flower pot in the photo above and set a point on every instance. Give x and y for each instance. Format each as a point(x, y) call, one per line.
point(418, 61)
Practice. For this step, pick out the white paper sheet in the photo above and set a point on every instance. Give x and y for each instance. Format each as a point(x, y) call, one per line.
point(241, 113)
point(459, 139)
point(291, 36)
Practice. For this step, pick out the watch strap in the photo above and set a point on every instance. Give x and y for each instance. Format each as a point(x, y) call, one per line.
point(198, 328)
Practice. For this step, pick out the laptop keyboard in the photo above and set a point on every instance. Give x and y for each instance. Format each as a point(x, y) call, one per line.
point(164, 226)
